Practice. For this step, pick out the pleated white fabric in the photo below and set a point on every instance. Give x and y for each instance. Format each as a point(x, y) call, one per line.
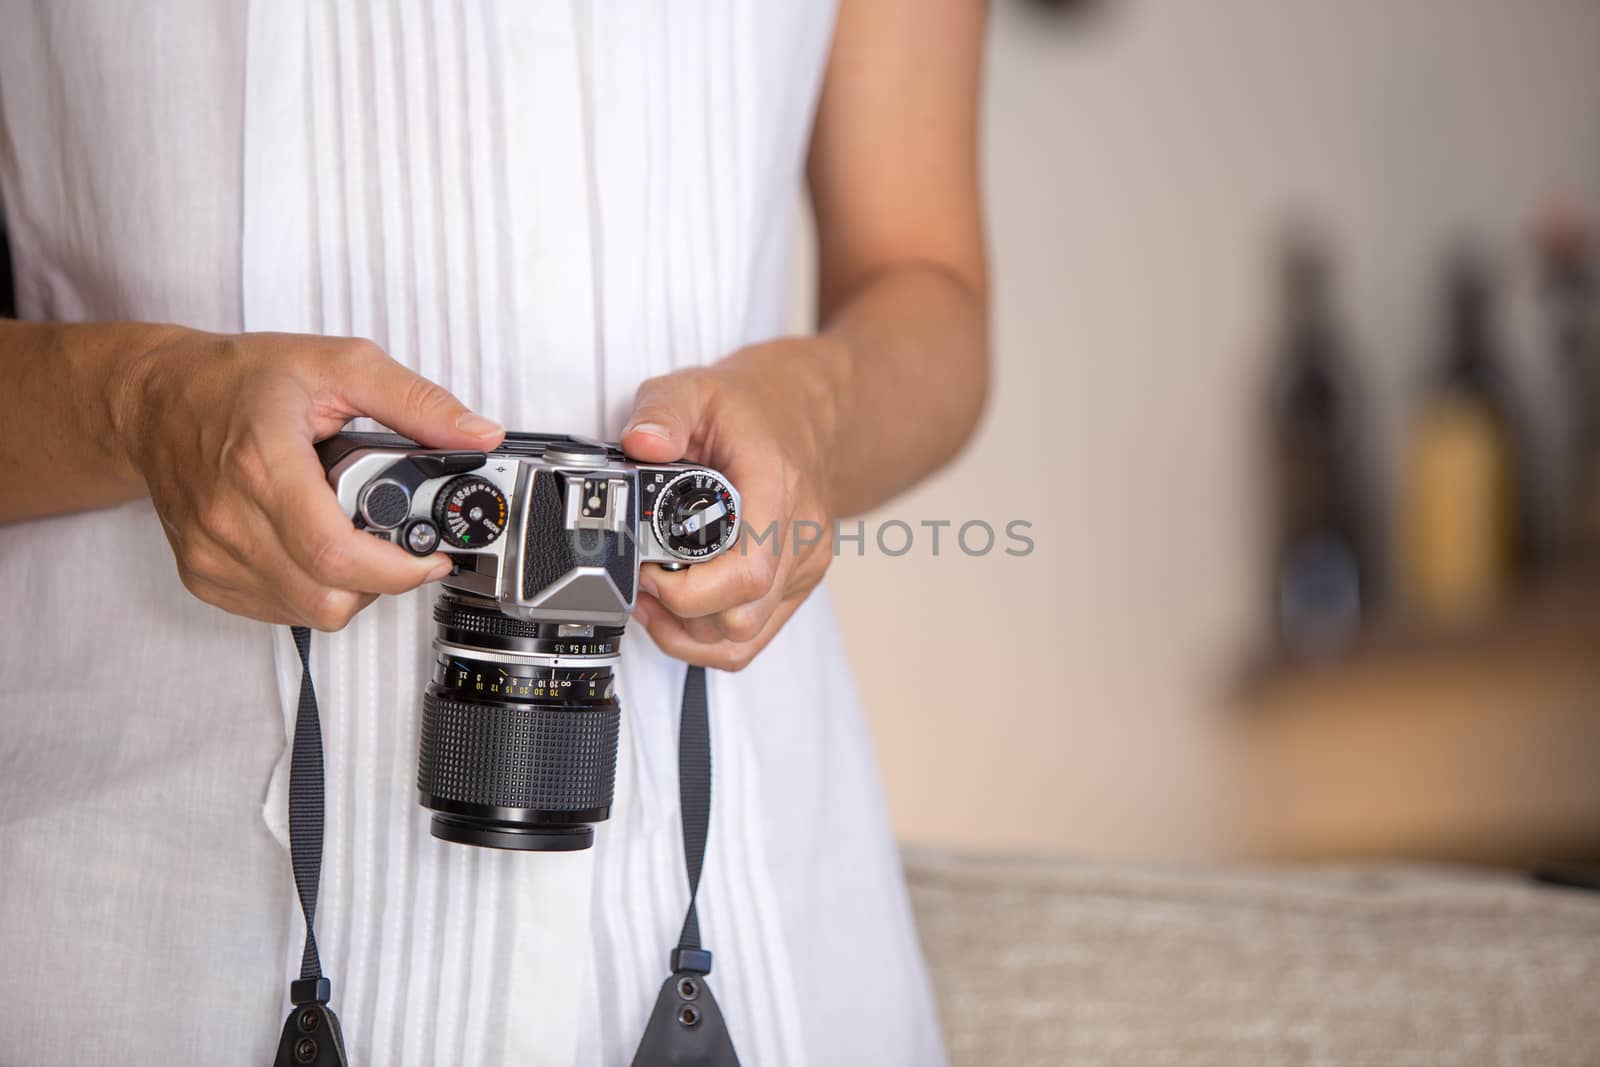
point(537, 205)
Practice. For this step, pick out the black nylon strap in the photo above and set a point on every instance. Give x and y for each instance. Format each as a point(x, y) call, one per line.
point(305, 806)
point(694, 795)
point(311, 1035)
point(686, 1028)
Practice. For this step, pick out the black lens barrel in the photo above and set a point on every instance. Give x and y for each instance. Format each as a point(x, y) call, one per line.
point(517, 751)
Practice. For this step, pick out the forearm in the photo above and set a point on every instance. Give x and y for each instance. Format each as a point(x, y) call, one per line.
point(908, 373)
point(62, 400)
point(902, 272)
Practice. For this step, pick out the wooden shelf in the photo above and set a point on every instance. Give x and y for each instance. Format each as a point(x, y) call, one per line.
point(1480, 748)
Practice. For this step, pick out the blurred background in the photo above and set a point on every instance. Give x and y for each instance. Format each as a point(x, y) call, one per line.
point(1297, 397)
point(1293, 330)
point(1297, 353)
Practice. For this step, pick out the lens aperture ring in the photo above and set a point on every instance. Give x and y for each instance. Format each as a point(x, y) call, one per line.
point(460, 624)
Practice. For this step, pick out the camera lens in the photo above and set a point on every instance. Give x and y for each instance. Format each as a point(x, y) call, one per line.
point(519, 730)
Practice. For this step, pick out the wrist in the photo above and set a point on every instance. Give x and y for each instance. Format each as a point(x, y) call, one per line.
point(136, 355)
point(834, 370)
point(829, 367)
point(810, 377)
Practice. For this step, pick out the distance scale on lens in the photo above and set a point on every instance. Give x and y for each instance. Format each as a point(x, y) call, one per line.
point(470, 512)
point(695, 515)
point(490, 681)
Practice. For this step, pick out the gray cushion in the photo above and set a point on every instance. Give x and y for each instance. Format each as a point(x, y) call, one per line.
point(1039, 963)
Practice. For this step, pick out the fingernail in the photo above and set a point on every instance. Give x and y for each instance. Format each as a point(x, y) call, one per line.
point(477, 425)
point(647, 584)
point(441, 570)
point(654, 429)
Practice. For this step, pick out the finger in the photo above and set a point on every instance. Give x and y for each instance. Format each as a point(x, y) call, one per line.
point(747, 621)
point(335, 610)
point(739, 623)
point(727, 582)
point(676, 636)
point(744, 622)
point(234, 602)
point(323, 543)
point(311, 602)
point(408, 403)
point(264, 583)
point(671, 636)
point(666, 411)
point(705, 630)
point(795, 582)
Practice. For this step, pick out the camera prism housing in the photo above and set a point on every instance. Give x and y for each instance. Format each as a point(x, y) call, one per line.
point(520, 722)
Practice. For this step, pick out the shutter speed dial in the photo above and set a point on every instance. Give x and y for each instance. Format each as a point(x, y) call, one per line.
point(696, 515)
point(470, 512)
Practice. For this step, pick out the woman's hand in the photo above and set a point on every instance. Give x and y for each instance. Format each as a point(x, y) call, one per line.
point(221, 429)
point(764, 417)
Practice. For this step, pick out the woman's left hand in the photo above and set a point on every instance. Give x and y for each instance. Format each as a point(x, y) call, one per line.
point(763, 417)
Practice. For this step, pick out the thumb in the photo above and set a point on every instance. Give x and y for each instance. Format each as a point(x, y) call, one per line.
point(411, 405)
point(666, 411)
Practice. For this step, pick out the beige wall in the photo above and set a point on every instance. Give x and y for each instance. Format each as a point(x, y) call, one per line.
point(1137, 167)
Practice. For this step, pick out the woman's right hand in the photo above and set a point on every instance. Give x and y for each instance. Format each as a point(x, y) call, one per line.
point(221, 429)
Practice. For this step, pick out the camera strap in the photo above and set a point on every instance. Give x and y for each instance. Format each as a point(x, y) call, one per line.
point(311, 1033)
point(686, 1028)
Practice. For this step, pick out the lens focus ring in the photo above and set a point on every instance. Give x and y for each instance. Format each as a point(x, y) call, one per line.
point(515, 755)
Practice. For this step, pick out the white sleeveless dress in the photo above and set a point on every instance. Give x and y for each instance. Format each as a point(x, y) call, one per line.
point(537, 205)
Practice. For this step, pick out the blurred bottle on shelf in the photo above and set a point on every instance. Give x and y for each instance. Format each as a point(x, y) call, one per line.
point(1066, 8)
point(1564, 244)
point(1323, 576)
point(1464, 538)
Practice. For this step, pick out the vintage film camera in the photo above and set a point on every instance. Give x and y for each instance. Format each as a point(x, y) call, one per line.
point(520, 723)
